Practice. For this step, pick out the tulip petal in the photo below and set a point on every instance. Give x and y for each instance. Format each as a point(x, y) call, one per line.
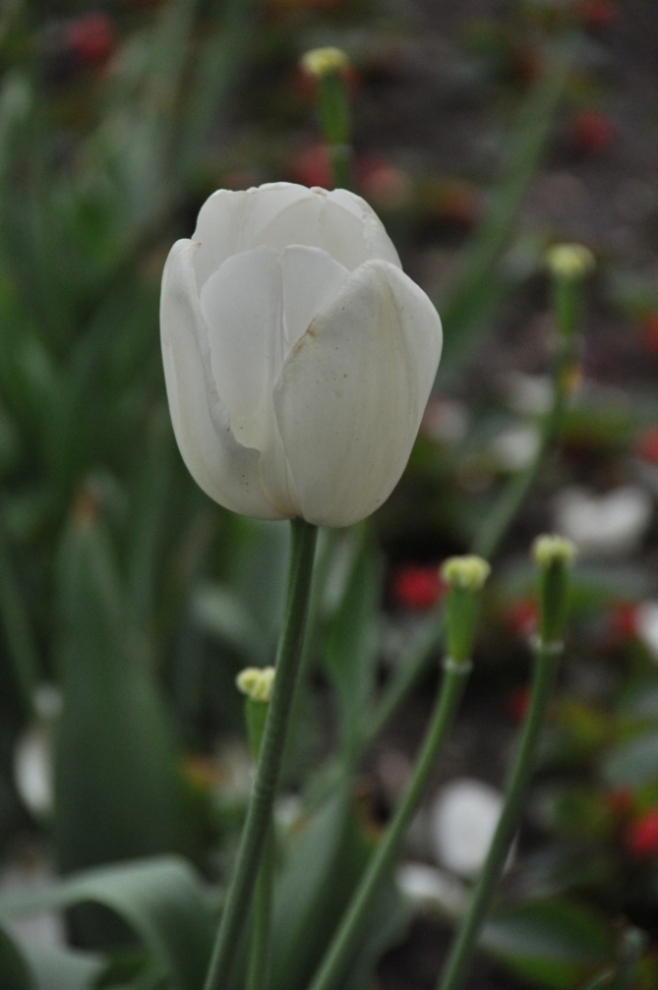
point(311, 279)
point(225, 470)
point(230, 221)
point(242, 303)
point(352, 393)
point(280, 214)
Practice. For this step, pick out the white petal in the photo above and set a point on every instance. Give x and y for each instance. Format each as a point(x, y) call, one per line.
point(225, 470)
point(378, 243)
point(311, 279)
point(352, 393)
point(280, 214)
point(230, 222)
point(242, 303)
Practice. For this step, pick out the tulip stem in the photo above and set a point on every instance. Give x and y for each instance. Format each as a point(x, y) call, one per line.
point(546, 659)
point(254, 833)
point(447, 702)
point(259, 954)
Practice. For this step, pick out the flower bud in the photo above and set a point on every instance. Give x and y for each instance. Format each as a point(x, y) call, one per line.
point(320, 62)
point(256, 683)
point(553, 556)
point(572, 261)
point(468, 573)
point(298, 356)
point(465, 577)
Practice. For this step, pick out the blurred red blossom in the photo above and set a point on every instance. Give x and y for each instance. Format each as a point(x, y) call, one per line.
point(623, 621)
point(91, 38)
point(417, 586)
point(591, 131)
point(311, 166)
point(647, 445)
point(597, 14)
point(649, 329)
point(641, 836)
point(522, 617)
point(518, 703)
point(619, 800)
point(383, 184)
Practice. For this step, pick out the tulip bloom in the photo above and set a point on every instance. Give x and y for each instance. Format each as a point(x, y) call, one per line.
point(298, 356)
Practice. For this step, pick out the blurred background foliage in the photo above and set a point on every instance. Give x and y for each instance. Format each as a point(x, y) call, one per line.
point(128, 602)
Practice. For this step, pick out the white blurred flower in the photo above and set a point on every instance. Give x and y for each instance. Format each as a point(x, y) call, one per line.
point(426, 887)
point(604, 525)
point(646, 624)
point(298, 356)
point(528, 395)
point(33, 768)
point(463, 817)
point(515, 446)
point(33, 755)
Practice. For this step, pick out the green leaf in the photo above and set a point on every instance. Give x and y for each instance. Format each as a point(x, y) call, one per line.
point(351, 640)
point(117, 790)
point(555, 943)
point(14, 972)
point(161, 900)
point(325, 859)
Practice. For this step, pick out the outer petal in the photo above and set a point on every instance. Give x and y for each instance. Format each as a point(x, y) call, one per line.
point(352, 393)
point(280, 214)
point(225, 470)
point(242, 303)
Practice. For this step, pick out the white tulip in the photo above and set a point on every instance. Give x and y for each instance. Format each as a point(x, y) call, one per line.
point(298, 356)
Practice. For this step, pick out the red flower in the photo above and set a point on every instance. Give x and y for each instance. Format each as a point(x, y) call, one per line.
point(383, 183)
point(522, 617)
point(518, 703)
point(623, 621)
point(647, 445)
point(650, 333)
point(312, 167)
point(91, 38)
point(591, 131)
point(641, 837)
point(417, 587)
point(619, 801)
point(597, 14)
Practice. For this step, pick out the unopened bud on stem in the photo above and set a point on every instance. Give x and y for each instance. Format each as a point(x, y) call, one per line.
point(257, 684)
point(571, 261)
point(465, 577)
point(554, 556)
point(320, 62)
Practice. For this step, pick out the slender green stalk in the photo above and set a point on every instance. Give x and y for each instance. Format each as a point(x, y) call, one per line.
point(259, 955)
point(546, 656)
point(448, 697)
point(240, 891)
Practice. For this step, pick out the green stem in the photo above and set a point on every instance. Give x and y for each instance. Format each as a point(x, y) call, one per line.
point(259, 956)
point(337, 957)
point(260, 806)
point(546, 664)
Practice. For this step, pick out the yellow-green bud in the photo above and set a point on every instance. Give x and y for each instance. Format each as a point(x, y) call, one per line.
point(549, 550)
point(572, 261)
point(320, 62)
point(469, 572)
point(256, 683)
point(554, 556)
